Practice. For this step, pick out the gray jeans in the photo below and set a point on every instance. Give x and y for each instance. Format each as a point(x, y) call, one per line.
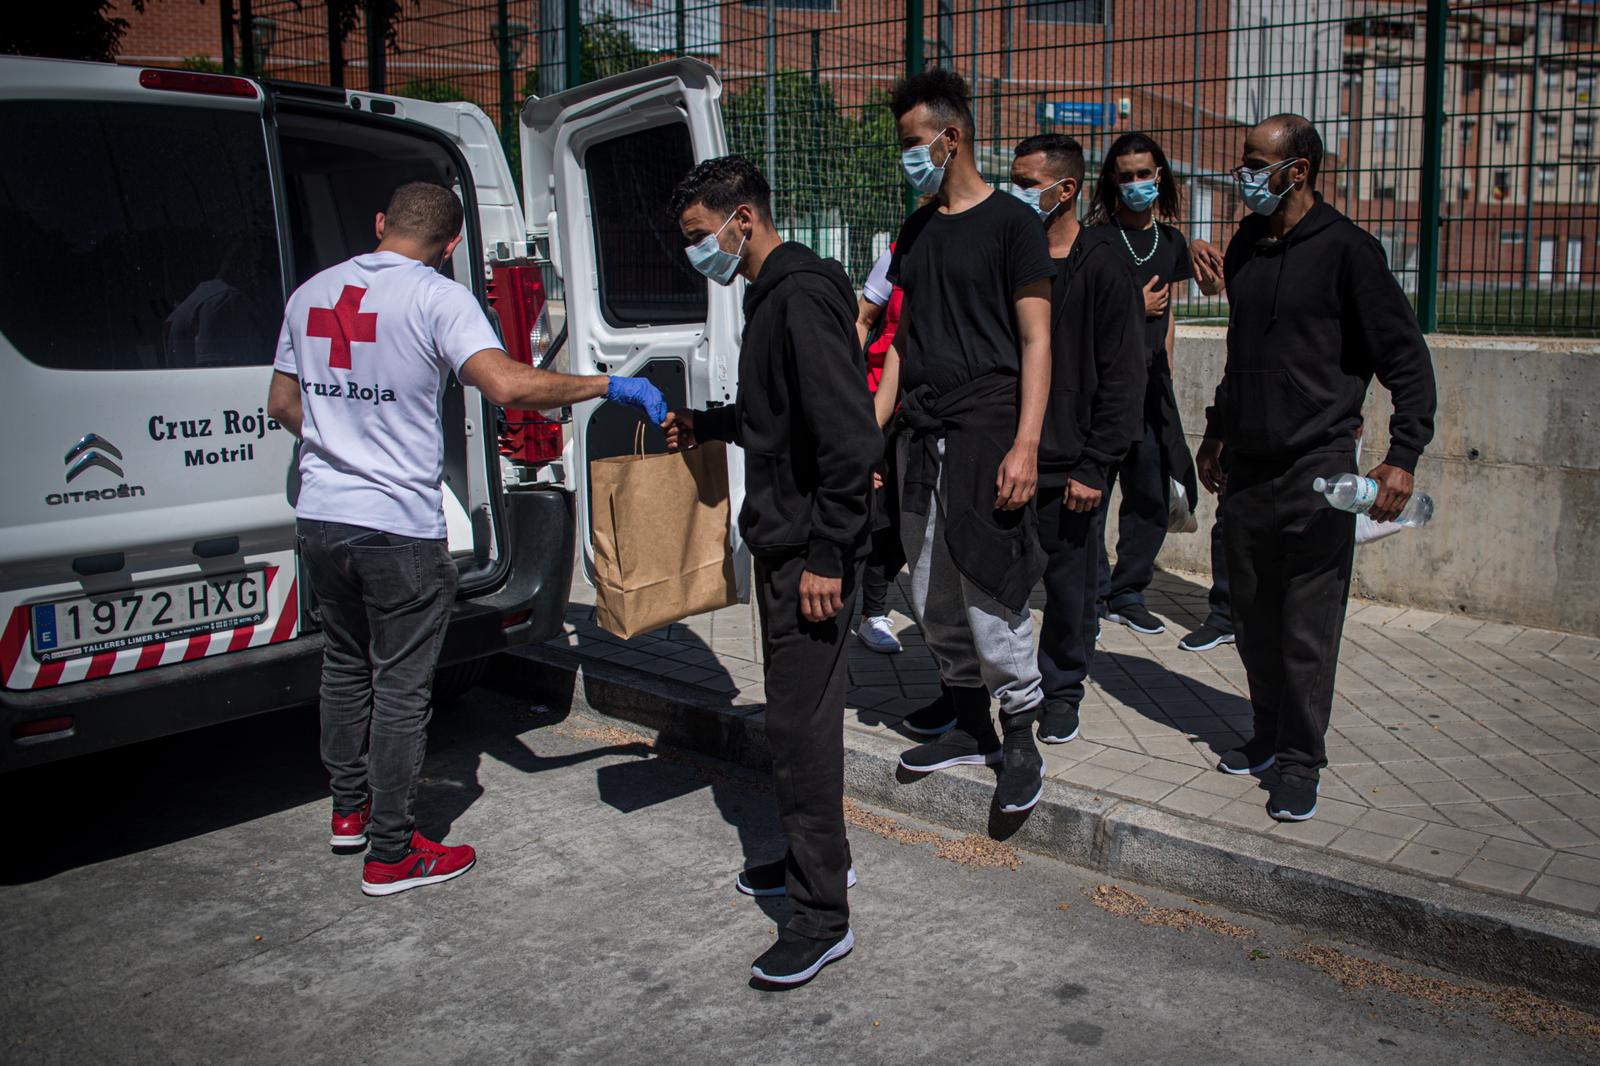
point(385, 600)
point(976, 639)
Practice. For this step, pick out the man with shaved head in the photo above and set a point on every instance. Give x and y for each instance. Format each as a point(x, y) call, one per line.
point(1314, 314)
point(361, 366)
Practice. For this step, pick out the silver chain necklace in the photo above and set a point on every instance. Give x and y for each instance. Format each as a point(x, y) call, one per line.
point(1137, 261)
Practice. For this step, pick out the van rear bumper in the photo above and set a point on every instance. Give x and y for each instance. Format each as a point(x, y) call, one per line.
point(127, 708)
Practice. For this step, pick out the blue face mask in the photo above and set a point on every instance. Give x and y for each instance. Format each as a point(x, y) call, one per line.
point(1255, 187)
point(918, 165)
point(706, 255)
point(1139, 195)
point(1031, 197)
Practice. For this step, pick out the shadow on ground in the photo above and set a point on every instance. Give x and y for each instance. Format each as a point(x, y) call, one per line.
point(87, 810)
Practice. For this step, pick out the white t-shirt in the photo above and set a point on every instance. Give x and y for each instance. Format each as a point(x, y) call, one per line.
point(371, 340)
point(878, 288)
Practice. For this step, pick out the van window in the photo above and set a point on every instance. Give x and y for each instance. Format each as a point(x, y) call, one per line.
point(137, 236)
point(338, 174)
point(645, 278)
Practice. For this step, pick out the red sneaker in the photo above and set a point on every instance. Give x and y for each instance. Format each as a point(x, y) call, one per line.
point(426, 863)
point(350, 830)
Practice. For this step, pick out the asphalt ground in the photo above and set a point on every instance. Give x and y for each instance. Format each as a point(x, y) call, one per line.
point(176, 902)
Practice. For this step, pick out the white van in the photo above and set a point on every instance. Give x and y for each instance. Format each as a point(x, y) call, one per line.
point(153, 223)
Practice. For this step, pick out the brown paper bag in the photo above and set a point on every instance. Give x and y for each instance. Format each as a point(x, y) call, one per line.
point(661, 549)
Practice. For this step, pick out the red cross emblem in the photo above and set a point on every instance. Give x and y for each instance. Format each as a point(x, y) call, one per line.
point(343, 325)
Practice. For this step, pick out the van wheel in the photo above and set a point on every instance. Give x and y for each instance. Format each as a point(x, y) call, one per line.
point(452, 682)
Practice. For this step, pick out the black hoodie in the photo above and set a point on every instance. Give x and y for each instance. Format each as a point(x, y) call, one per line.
point(1311, 319)
point(803, 415)
point(1098, 356)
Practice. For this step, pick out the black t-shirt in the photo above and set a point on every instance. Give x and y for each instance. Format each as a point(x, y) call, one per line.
point(960, 275)
point(1170, 263)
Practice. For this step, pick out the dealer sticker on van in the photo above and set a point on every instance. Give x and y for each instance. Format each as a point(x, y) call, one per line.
point(88, 625)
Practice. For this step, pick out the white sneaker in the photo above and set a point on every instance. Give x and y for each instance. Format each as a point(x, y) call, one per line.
point(878, 634)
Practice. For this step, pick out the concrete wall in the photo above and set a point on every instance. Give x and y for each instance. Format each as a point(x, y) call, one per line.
point(1514, 471)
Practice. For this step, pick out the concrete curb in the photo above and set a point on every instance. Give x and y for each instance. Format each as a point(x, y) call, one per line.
point(1475, 934)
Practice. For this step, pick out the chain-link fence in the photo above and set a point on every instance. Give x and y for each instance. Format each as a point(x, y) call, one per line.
point(1461, 134)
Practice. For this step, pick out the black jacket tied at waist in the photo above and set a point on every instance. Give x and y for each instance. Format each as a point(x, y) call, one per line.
point(996, 550)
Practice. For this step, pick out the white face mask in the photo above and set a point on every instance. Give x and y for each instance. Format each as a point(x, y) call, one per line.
point(707, 256)
point(1031, 197)
point(917, 162)
point(1255, 187)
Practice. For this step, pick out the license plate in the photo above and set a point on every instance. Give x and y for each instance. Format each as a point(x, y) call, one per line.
point(88, 625)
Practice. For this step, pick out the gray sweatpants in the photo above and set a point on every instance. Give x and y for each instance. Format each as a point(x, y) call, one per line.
point(976, 640)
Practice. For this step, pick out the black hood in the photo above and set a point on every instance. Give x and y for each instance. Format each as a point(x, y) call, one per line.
point(1311, 319)
point(1258, 229)
point(789, 259)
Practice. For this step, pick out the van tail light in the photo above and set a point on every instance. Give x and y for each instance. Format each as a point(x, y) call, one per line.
point(41, 728)
point(187, 81)
point(516, 291)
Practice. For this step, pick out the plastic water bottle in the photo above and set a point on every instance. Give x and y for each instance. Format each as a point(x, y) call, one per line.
point(1357, 494)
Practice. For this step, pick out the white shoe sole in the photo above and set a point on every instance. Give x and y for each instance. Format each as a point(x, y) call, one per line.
point(838, 951)
point(1006, 808)
point(738, 882)
point(1251, 770)
point(939, 732)
point(1059, 740)
point(988, 759)
point(881, 649)
point(414, 882)
point(348, 842)
point(1219, 642)
point(1114, 617)
point(1286, 816)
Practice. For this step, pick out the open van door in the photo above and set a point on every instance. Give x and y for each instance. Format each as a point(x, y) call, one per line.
point(599, 163)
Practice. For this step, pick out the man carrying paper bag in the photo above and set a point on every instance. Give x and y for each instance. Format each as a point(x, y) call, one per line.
point(810, 440)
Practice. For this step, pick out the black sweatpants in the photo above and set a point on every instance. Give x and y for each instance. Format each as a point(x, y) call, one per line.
point(1141, 518)
point(1221, 616)
point(807, 677)
point(1289, 558)
point(1072, 543)
point(882, 566)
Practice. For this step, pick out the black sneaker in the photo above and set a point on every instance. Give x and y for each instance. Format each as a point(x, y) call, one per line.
point(770, 879)
point(796, 959)
point(1205, 638)
point(1021, 780)
point(1137, 617)
point(955, 748)
point(1293, 798)
point(1058, 723)
point(936, 718)
point(1253, 758)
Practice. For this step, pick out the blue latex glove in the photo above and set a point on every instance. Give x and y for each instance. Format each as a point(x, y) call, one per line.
point(637, 392)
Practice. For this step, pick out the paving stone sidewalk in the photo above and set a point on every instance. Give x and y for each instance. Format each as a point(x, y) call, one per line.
point(1460, 750)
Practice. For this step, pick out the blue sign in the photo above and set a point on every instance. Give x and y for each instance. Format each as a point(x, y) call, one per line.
point(1076, 113)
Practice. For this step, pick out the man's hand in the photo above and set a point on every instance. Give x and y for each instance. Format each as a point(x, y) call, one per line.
point(1208, 464)
point(1394, 490)
point(1080, 498)
point(877, 480)
point(680, 431)
point(637, 392)
point(1156, 298)
point(820, 597)
point(1208, 267)
point(1014, 486)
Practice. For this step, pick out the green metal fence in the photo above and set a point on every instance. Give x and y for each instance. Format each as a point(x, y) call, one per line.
point(1461, 134)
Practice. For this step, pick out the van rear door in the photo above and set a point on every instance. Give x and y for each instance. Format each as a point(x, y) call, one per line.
point(599, 163)
point(145, 518)
point(340, 155)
